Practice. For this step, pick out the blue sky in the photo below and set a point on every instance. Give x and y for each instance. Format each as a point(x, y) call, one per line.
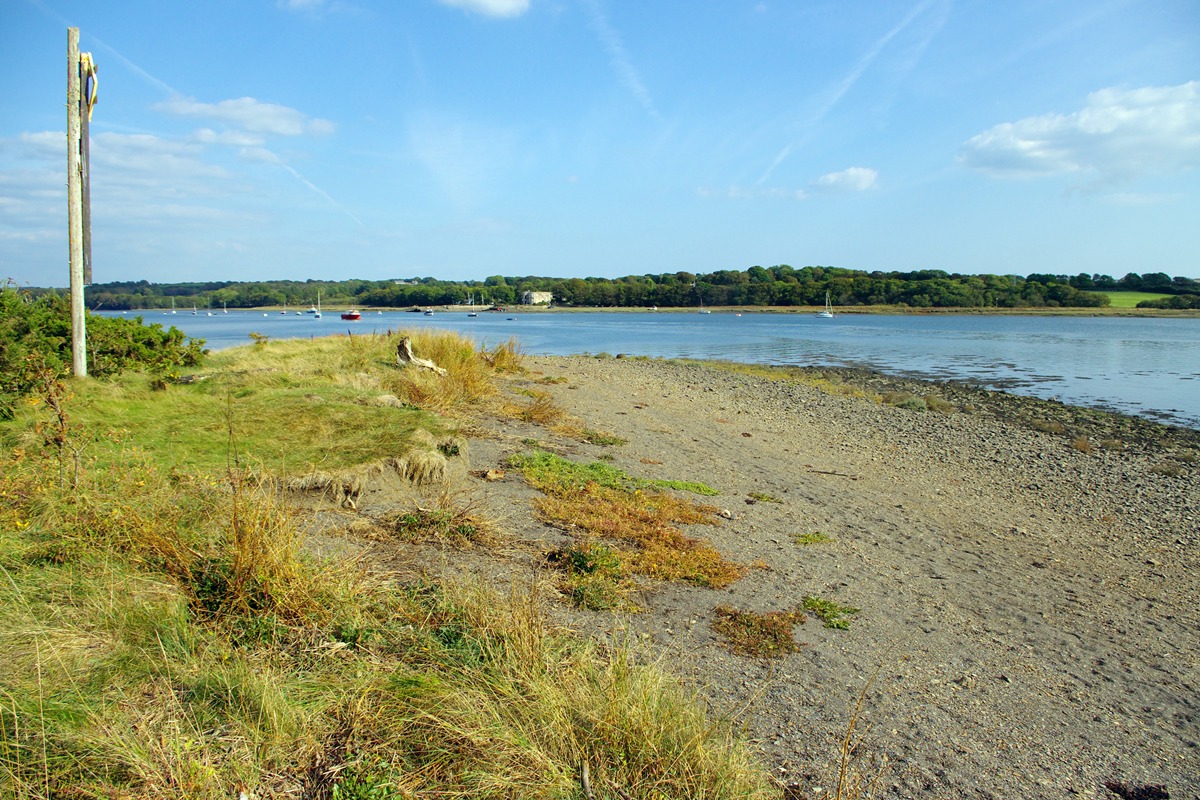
point(333, 139)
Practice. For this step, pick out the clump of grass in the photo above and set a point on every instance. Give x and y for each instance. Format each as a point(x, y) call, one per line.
point(1168, 469)
point(764, 498)
point(831, 613)
point(1082, 444)
point(605, 502)
point(938, 404)
point(505, 357)
point(540, 409)
point(1048, 426)
point(763, 635)
point(815, 537)
point(905, 400)
point(1115, 445)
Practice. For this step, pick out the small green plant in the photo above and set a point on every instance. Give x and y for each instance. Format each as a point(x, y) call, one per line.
point(259, 339)
point(906, 401)
point(829, 612)
point(763, 635)
point(816, 537)
point(594, 579)
point(764, 498)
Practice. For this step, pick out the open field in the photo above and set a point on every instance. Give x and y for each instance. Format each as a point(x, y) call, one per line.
point(1131, 299)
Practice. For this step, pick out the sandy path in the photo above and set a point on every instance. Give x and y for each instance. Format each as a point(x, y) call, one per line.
point(1031, 610)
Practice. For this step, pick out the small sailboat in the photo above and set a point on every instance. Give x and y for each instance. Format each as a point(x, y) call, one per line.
point(352, 314)
point(224, 307)
point(828, 312)
point(317, 310)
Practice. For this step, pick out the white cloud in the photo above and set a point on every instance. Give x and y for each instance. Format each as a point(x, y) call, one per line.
point(250, 115)
point(300, 5)
point(490, 8)
point(231, 138)
point(854, 179)
point(1119, 135)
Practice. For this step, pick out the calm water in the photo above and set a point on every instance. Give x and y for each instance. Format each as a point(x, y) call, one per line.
point(1149, 367)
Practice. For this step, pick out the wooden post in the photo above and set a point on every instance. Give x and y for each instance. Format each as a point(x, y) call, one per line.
point(75, 205)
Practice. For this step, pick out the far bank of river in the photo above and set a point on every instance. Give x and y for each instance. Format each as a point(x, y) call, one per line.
point(1146, 366)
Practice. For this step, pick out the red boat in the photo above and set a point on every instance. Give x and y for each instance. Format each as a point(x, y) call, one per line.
point(351, 314)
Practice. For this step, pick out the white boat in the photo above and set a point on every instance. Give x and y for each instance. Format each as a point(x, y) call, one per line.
point(317, 310)
point(828, 312)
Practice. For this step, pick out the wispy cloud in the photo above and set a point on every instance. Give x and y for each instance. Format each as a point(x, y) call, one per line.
point(854, 179)
point(840, 89)
point(751, 193)
point(462, 158)
point(619, 57)
point(490, 8)
point(248, 114)
point(1118, 136)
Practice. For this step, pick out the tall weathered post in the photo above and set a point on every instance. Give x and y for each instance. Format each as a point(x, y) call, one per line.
point(78, 199)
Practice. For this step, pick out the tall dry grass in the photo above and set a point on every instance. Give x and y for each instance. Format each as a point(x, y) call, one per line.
point(165, 633)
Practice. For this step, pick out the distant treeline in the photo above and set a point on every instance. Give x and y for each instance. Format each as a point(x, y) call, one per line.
point(780, 285)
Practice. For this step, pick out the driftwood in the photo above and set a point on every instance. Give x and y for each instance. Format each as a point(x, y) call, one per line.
point(404, 357)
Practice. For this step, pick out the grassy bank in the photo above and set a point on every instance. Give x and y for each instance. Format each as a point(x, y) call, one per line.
point(167, 631)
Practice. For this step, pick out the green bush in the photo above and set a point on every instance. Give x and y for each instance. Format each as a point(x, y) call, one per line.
point(35, 343)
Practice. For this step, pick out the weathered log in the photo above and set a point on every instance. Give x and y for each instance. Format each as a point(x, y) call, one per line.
point(404, 357)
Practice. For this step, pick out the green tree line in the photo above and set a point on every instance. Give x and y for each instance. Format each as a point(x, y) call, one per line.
point(780, 285)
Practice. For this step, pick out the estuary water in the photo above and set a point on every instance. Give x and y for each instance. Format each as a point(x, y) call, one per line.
point(1143, 366)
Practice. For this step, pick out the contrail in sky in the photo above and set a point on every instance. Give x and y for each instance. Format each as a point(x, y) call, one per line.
point(321, 192)
point(620, 58)
point(851, 78)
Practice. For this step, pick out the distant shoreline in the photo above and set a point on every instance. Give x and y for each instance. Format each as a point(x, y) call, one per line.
point(801, 310)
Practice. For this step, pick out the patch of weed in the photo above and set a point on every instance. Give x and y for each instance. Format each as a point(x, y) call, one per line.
point(444, 523)
point(764, 498)
point(763, 635)
point(816, 537)
point(829, 612)
point(601, 438)
point(606, 502)
point(938, 404)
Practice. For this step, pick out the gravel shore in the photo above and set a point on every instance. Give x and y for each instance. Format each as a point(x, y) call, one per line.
point(1026, 573)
